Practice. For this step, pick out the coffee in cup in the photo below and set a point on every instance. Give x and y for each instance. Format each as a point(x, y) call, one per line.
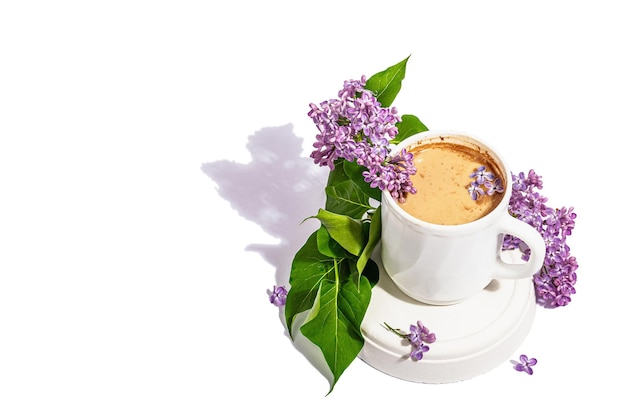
point(444, 244)
point(443, 177)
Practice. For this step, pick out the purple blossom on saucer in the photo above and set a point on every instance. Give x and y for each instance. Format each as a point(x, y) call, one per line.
point(419, 336)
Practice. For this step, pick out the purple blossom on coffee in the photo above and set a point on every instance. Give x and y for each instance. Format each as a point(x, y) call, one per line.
point(418, 337)
point(494, 187)
point(356, 127)
point(475, 191)
point(525, 364)
point(484, 182)
point(480, 175)
point(278, 296)
point(555, 281)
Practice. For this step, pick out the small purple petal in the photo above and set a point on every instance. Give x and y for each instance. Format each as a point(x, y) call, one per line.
point(278, 297)
point(525, 364)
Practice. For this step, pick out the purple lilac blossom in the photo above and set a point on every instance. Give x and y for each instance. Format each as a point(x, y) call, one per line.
point(494, 186)
point(418, 350)
point(555, 281)
point(525, 364)
point(278, 297)
point(420, 333)
point(484, 182)
point(419, 336)
point(475, 191)
point(356, 127)
point(480, 175)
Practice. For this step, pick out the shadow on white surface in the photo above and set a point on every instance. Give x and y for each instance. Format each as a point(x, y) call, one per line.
point(277, 190)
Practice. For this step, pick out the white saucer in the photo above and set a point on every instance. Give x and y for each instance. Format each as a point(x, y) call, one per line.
point(473, 337)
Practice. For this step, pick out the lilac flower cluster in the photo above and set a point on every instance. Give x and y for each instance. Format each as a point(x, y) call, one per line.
point(418, 337)
point(484, 182)
point(356, 127)
point(554, 283)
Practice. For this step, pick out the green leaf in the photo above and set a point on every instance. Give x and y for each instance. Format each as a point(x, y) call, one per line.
point(334, 324)
point(347, 192)
point(386, 84)
point(337, 175)
point(375, 229)
point(347, 198)
point(332, 274)
point(371, 272)
point(308, 268)
point(327, 246)
point(407, 127)
point(355, 172)
point(347, 231)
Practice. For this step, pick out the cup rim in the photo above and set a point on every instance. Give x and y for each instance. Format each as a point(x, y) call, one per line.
point(453, 228)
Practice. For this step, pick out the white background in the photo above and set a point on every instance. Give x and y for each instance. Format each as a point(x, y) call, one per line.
point(154, 172)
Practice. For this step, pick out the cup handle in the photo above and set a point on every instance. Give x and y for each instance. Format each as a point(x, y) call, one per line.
point(512, 226)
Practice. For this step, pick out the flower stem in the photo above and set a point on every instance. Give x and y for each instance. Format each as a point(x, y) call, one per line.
point(396, 331)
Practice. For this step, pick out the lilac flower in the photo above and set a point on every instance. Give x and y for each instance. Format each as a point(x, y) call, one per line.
point(393, 175)
point(356, 127)
point(278, 297)
point(418, 337)
point(494, 187)
point(525, 364)
point(534, 180)
point(418, 350)
point(475, 191)
point(480, 175)
point(554, 282)
point(485, 182)
point(519, 182)
point(420, 333)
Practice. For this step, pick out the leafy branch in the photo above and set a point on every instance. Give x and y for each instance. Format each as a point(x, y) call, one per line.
point(332, 274)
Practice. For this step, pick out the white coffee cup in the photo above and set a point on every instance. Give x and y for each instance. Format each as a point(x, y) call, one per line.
point(446, 264)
